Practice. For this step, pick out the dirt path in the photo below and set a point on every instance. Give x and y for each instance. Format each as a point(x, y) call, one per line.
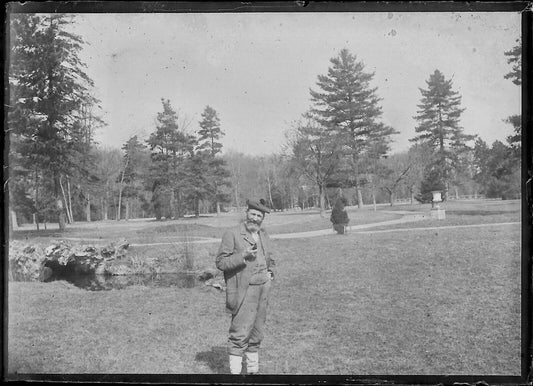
point(408, 216)
point(442, 227)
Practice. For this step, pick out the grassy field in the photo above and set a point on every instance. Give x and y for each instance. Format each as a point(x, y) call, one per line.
point(151, 231)
point(425, 301)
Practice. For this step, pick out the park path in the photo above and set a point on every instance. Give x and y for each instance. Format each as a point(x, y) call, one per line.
point(408, 216)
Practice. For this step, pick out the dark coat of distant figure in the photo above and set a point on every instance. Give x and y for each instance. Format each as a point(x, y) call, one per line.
point(339, 216)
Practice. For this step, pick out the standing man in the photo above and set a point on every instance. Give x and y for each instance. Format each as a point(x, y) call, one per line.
point(245, 258)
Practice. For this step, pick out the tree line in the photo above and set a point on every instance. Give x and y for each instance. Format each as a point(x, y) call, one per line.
point(340, 146)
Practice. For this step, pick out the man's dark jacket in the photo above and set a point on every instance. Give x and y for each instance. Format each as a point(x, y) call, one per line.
point(230, 260)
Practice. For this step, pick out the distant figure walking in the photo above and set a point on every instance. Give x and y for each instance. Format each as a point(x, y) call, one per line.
point(339, 216)
point(245, 258)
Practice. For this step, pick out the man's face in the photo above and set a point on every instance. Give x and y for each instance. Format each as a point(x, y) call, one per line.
point(254, 219)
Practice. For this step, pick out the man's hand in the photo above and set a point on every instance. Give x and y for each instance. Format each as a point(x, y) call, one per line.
point(250, 253)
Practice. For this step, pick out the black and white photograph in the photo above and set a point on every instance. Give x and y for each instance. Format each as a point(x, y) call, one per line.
point(235, 191)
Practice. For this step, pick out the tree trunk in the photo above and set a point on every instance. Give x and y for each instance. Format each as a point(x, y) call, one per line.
point(116, 207)
point(322, 200)
point(270, 192)
point(36, 221)
point(197, 207)
point(218, 208)
point(127, 210)
point(88, 208)
point(178, 205)
point(14, 225)
point(64, 200)
point(121, 187)
point(36, 200)
point(173, 210)
point(105, 206)
point(61, 212)
point(359, 195)
point(374, 196)
point(69, 203)
point(119, 206)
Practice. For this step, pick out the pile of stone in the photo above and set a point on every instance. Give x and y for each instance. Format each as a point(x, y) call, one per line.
point(29, 262)
point(61, 260)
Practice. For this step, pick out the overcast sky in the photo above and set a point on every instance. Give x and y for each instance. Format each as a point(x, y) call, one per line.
point(255, 69)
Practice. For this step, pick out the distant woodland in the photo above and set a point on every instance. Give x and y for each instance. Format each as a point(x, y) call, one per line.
point(340, 146)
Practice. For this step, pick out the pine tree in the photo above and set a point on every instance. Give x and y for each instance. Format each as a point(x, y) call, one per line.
point(515, 58)
point(504, 180)
point(48, 93)
point(439, 128)
point(170, 147)
point(210, 132)
point(495, 170)
point(347, 105)
point(132, 173)
point(214, 168)
point(196, 186)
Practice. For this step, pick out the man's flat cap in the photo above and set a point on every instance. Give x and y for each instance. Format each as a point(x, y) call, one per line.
point(258, 205)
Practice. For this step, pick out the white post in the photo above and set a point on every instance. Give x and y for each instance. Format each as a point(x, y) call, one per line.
point(436, 211)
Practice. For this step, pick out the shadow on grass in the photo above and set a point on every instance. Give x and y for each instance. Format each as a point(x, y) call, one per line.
point(216, 359)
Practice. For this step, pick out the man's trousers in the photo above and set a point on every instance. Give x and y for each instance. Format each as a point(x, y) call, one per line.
point(246, 330)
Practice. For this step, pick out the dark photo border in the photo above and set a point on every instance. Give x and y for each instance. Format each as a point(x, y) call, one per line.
point(309, 6)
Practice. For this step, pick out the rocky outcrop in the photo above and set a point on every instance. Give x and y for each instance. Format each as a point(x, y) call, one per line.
point(28, 262)
point(102, 267)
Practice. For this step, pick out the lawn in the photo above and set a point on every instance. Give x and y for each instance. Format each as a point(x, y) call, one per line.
point(465, 213)
point(428, 301)
point(144, 231)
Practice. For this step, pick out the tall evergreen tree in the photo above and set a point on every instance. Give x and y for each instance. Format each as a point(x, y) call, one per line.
point(195, 179)
point(215, 171)
point(48, 93)
point(170, 147)
point(210, 132)
point(439, 128)
point(349, 106)
point(515, 59)
point(132, 173)
point(495, 170)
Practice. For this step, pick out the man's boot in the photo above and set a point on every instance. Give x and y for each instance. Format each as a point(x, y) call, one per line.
point(235, 364)
point(252, 362)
